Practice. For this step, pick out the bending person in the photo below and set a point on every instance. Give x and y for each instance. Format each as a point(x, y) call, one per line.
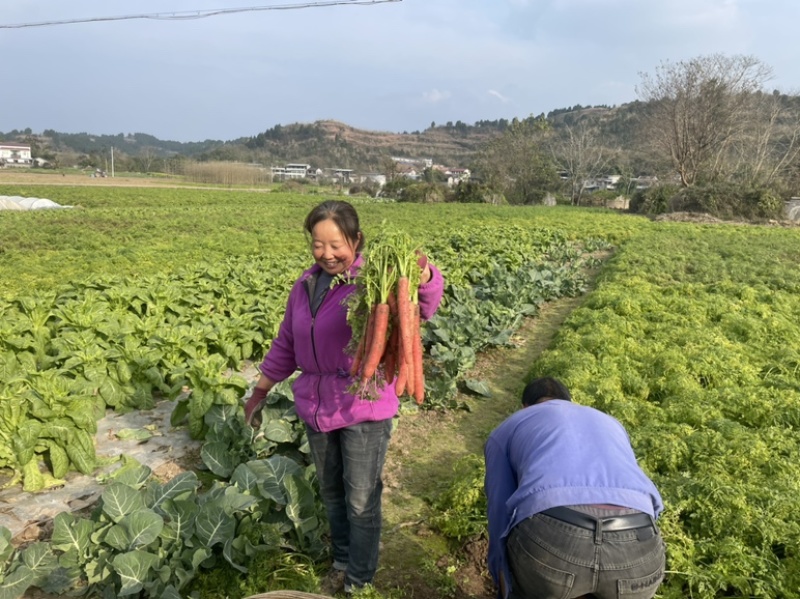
point(571, 513)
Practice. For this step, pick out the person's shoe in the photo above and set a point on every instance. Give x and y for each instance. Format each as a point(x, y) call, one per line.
point(349, 588)
point(333, 582)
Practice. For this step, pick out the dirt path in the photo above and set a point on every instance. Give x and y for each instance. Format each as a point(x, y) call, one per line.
point(420, 462)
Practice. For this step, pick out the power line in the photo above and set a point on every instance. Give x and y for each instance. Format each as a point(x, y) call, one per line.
point(199, 14)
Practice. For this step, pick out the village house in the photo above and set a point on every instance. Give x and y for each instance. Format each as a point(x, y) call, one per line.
point(606, 182)
point(451, 175)
point(378, 178)
point(339, 175)
point(421, 163)
point(14, 154)
point(407, 170)
point(294, 171)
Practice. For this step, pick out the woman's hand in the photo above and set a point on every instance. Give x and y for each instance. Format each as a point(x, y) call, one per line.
point(253, 407)
point(422, 262)
point(257, 401)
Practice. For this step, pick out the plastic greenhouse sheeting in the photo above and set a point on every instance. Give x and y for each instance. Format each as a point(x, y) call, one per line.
point(20, 203)
point(7, 203)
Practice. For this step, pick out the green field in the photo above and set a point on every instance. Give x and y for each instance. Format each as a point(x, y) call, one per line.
point(690, 337)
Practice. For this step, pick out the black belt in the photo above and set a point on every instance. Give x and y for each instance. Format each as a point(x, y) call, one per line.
point(611, 524)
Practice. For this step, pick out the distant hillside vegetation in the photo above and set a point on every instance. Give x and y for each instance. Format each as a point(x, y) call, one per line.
point(322, 144)
point(334, 144)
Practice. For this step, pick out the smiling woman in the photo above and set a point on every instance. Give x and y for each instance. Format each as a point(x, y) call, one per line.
point(336, 236)
point(348, 433)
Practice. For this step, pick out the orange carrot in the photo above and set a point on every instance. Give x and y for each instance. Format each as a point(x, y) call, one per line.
point(390, 355)
point(405, 320)
point(376, 345)
point(409, 348)
point(363, 343)
point(419, 377)
point(402, 376)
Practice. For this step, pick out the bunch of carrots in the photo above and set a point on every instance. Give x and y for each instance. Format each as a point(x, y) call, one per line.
point(384, 316)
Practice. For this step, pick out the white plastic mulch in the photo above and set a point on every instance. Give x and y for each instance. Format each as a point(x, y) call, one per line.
point(20, 203)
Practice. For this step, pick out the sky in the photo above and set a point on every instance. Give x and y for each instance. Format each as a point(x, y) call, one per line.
point(386, 65)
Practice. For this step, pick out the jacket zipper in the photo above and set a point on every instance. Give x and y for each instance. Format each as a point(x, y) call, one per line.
point(319, 378)
point(314, 350)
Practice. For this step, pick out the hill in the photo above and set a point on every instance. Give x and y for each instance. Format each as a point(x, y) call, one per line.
point(322, 144)
point(325, 143)
point(332, 143)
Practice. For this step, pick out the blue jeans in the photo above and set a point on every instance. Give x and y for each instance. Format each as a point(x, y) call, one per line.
point(349, 464)
point(551, 559)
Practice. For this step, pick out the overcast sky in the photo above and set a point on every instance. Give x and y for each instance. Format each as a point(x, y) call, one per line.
point(391, 66)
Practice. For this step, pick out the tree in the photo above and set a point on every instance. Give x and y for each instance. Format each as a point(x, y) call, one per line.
point(146, 158)
point(516, 164)
point(770, 146)
point(431, 175)
point(577, 152)
point(698, 109)
point(388, 168)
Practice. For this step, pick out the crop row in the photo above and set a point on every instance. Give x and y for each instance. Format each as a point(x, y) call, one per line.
point(692, 340)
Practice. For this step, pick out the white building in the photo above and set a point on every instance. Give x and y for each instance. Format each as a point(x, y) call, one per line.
point(292, 171)
point(456, 176)
point(340, 175)
point(14, 154)
point(378, 178)
point(422, 162)
point(606, 182)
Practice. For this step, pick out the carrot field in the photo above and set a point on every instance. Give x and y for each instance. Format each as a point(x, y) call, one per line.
point(689, 334)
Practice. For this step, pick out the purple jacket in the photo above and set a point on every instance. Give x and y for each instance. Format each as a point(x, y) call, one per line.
point(316, 346)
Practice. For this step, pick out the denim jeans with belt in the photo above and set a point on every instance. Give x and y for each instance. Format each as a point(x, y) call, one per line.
point(551, 559)
point(349, 464)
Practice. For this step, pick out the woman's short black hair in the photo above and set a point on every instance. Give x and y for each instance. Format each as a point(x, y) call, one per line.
point(343, 214)
point(544, 388)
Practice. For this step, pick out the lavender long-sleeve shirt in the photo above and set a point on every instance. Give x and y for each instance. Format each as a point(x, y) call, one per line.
point(558, 453)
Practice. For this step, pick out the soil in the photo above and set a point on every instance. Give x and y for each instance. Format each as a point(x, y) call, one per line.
point(708, 219)
point(12, 177)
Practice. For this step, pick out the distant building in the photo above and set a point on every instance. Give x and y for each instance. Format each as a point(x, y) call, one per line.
point(419, 162)
point(340, 175)
point(452, 175)
point(407, 170)
point(644, 182)
point(606, 182)
point(456, 176)
point(293, 171)
point(378, 178)
point(14, 154)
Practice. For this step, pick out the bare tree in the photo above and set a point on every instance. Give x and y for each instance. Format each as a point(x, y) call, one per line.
point(770, 146)
point(698, 110)
point(579, 155)
point(516, 163)
point(388, 168)
point(147, 156)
